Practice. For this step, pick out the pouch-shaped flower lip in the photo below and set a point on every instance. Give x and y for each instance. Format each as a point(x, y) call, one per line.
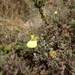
point(32, 43)
point(56, 12)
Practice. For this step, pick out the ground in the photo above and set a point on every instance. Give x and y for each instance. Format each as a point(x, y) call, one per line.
point(53, 22)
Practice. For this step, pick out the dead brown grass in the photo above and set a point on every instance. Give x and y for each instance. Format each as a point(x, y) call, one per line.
point(12, 9)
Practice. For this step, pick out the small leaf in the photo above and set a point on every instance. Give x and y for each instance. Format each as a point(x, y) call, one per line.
point(1, 72)
point(4, 53)
point(72, 21)
point(43, 17)
point(45, 54)
point(1, 47)
point(18, 45)
point(7, 48)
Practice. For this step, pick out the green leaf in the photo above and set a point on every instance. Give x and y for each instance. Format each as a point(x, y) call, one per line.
point(43, 17)
point(1, 47)
point(18, 45)
point(73, 73)
point(45, 54)
point(1, 62)
point(4, 53)
point(51, 49)
point(7, 48)
point(72, 21)
point(1, 72)
point(73, 50)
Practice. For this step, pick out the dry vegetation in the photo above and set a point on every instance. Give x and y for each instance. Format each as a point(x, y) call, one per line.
point(57, 34)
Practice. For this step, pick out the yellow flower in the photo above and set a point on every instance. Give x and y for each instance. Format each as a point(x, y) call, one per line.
point(52, 53)
point(32, 43)
point(56, 12)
